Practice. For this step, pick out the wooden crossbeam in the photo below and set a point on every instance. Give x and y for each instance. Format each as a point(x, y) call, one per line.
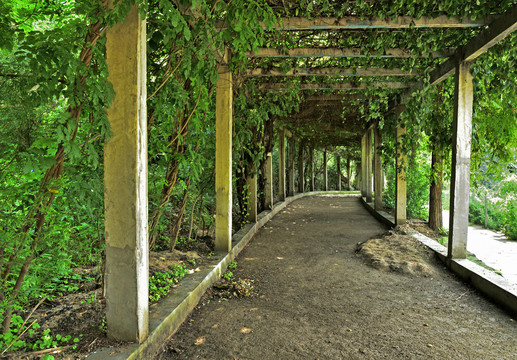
point(332, 71)
point(340, 97)
point(335, 52)
point(495, 32)
point(338, 86)
point(357, 23)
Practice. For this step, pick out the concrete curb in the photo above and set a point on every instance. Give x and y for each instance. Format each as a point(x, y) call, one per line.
point(497, 288)
point(163, 321)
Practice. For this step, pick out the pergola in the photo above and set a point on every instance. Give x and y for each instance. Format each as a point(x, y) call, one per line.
point(126, 153)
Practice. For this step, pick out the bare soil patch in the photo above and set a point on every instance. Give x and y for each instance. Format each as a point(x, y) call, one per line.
point(396, 251)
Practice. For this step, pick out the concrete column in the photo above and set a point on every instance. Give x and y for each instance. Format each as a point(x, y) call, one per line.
point(325, 177)
point(301, 173)
point(281, 165)
point(460, 175)
point(338, 164)
point(363, 166)
point(311, 168)
point(223, 160)
point(378, 177)
point(369, 179)
point(125, 183)
point(291, 166)
point(400, 184)
point(348, 175)
point(268, 176)
point(251, 182)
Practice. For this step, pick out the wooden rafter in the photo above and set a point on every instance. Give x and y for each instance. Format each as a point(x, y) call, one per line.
point(340, 97)
point(335, 52)
point(495, 32)
point(356, 22)
point(331, 71)
point(338, 86)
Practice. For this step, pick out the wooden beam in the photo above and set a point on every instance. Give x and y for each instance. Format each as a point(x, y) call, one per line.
point(356, 22)
point(340, 97)
point(331, 72)
point(500, 28)
point(335, 52)
point(338, 86)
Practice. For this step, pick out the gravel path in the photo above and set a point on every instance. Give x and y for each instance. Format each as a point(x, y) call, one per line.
point(316, 299)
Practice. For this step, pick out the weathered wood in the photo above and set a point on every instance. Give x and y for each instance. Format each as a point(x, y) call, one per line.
point(125, 183)
point(340, 97)
point(291, 187)
point(223, 160)
point(311, 169)
point(498, 29)
point(401, 170)
point(325, 174)
point(251, 183)
point(338, 165)
point(281, 165)
point(301, 169)
point(369, 177)
point(332, 71)
point(335, 52)
point(378, 174)
point(357, 23)
point(268, 186)
point(338, 86)
point(460, 174)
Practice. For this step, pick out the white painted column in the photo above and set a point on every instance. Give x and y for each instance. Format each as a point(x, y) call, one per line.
point(369, 178)
point(125, 183)
point(223, 160)
point(364, 182)
point(460, 177)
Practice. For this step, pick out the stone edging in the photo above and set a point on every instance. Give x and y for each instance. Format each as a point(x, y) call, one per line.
point(492, 285)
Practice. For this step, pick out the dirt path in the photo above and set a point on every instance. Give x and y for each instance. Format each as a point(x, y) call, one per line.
point(318, 300)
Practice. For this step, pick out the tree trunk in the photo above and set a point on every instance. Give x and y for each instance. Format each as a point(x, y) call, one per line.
point(435, 193)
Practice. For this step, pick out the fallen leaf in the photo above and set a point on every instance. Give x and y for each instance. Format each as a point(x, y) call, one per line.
point(191, 271)
point(200, 340)
point(197, 270)
point(426, 324)
point(215, 326)
point(279, 258)
point(245, 330)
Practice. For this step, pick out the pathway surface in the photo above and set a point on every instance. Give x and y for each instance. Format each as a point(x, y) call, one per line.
point(318, 300)
point(491, 247)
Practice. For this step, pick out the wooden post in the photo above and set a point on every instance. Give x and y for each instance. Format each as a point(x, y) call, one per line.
point(378, 177)
point(223, 160)
point(281, 165)
point(401, 165)
point(311, 169)
point(338, 164)
point(325, 179)
point(460, 176)
point(348, 175)
point(268, 187)
point(291, 165)
point(369, 182)
point(301, 170)
point(125, 183)
point(363, 166)
point(251, 182)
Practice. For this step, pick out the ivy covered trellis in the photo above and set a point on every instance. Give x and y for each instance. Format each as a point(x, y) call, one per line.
point(324, 72)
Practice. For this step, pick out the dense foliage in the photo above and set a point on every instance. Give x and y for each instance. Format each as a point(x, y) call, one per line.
point(54, 93)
